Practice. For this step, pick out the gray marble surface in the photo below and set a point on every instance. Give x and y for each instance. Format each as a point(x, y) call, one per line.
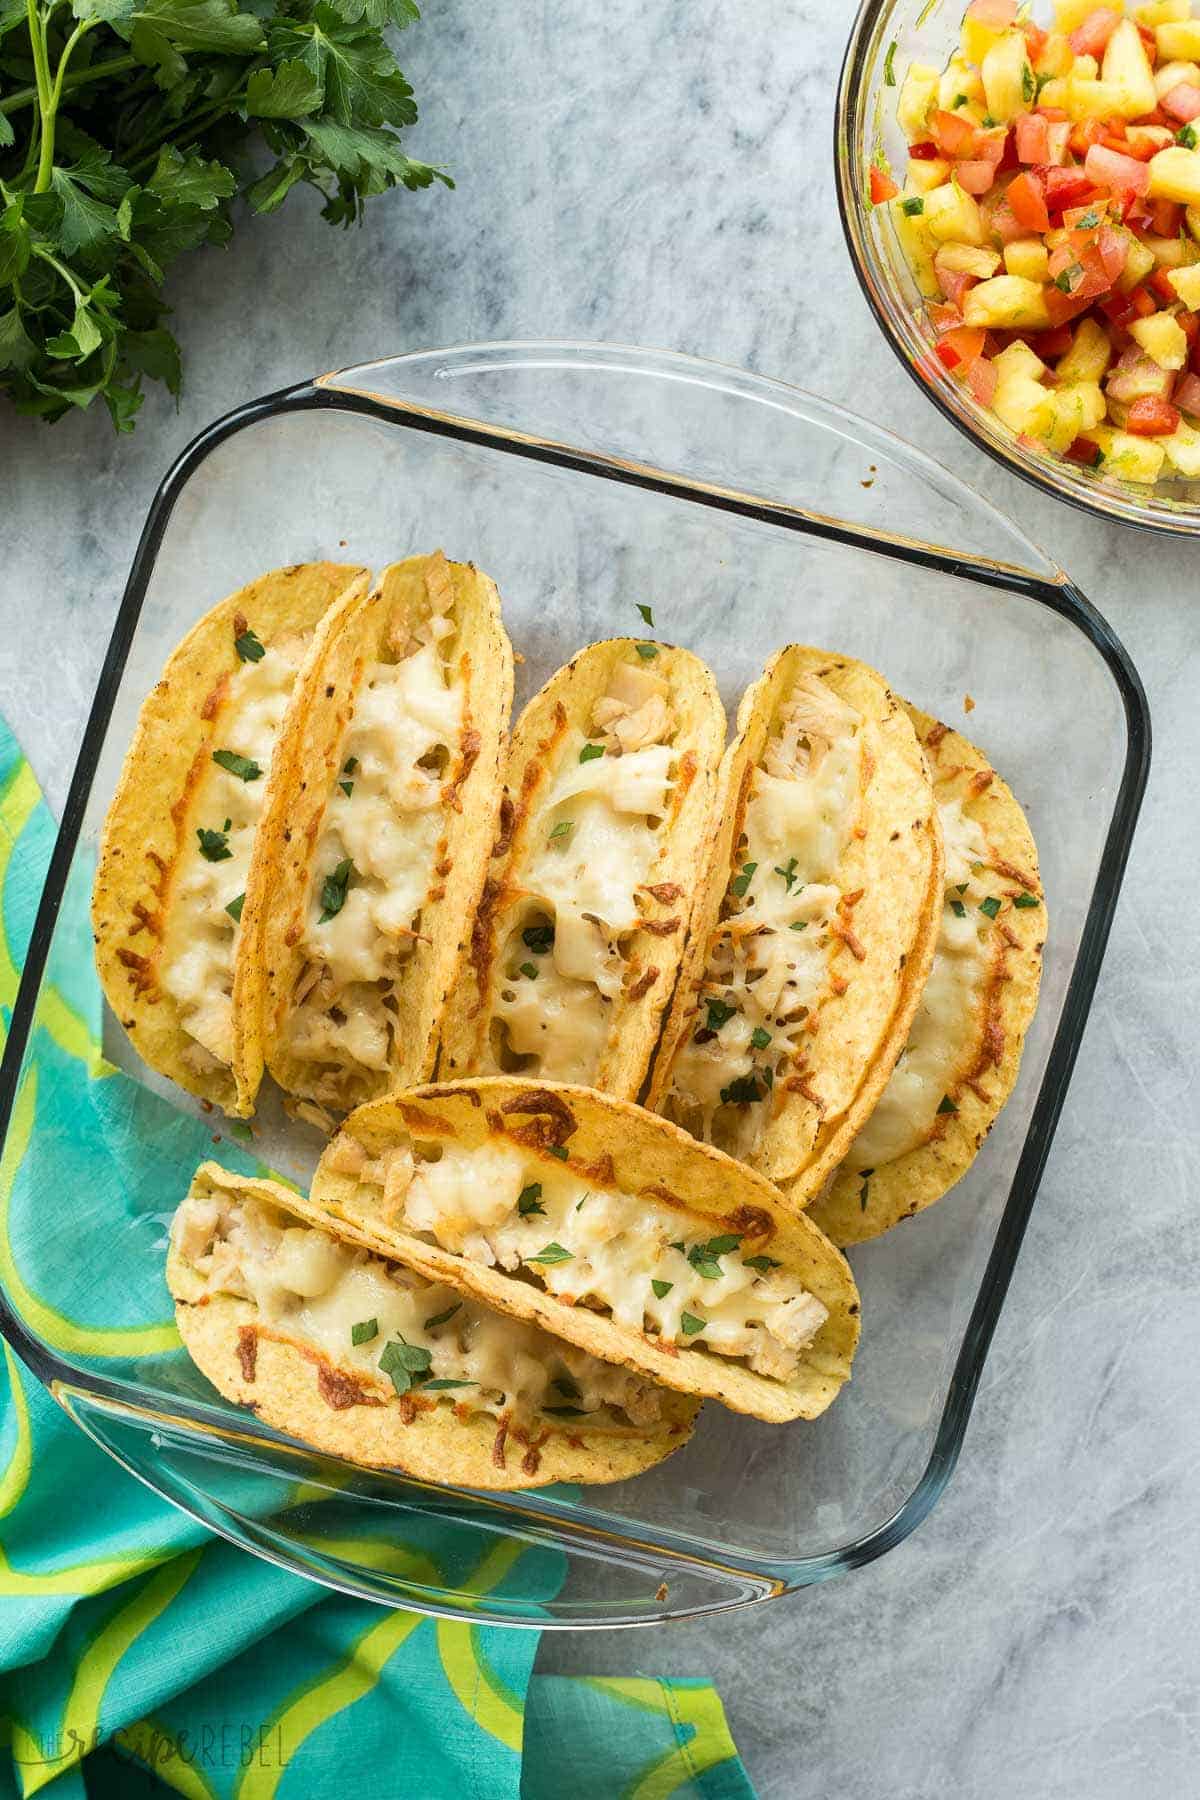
point(662, 175)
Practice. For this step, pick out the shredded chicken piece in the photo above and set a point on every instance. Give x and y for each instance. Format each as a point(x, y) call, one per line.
point(346, 1156)
point(810, 719)
point(199, 1221)
point(397, 1165)
point(311, 1114)
point(634, 713)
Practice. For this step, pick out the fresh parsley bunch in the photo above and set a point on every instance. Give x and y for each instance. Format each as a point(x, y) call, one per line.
point(126, 128)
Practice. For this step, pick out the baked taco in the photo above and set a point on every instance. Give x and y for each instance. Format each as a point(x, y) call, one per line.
point(176, 937)
point(576, 946)
point(964, 1046)
point(815, 929)
point(362, 1357)
point(380, 833)
point(606, 1226)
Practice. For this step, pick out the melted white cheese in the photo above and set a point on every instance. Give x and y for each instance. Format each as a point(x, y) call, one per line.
point(501, 1207)
point(197, 966)
point(316, 1289)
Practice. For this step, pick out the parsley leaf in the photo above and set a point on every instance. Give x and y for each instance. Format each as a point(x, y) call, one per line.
point(528, 969)
point(561, 1151)
point(741, 882)
point(760, 1038)
point(661, 1288)
point(647, 614)
point(214, 845)
point(553, 1253)
point(946, 1105)
point(334, 889)
point(250, 646)
point(990, 906)
point(741, 1092)
point(762, 1263)
point(1026, 900)
point(244, 767)
point(561, 829)
point(443, 1317)
point(647, 652)
point(234, 908)
point(590, 752)
point(690, 1324)
point(529, 1200)
point(364, 1331)
point(719, 1013)
point(538, 938)
point(442, 1385)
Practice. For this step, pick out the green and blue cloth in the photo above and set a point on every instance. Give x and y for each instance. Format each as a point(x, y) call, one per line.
point(139, 1654)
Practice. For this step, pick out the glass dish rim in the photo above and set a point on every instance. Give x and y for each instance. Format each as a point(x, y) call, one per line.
point(64, 1379)
point(1044, 474)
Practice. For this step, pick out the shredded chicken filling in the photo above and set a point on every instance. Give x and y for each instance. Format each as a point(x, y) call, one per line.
point(785, 913)
point(647, 1266)
point(325, 1293)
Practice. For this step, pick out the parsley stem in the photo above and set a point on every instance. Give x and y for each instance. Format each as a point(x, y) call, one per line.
point(185, 132)
point(48, 100)
point(41, 75)
point(27, 96)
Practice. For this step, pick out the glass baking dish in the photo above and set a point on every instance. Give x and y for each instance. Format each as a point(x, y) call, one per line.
point(586, 479)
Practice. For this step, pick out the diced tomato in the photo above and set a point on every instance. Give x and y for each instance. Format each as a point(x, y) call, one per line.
point(1033, 139)
point(1143, 302)
point(1108, 168)
point(1066, 187)
point(1054, 113)
point(1035, 37)
point(1086, 451)
point(1058, 136)
point(993, 144)
point(1062, 307)
point(1086, 133)
point(964, 344)
point(1182, 102)
point(944, 317)
point(1152, 417)
point(882, 186)
point(1091, 38)
point(1194, 359)
point(1166, 218)
point(1187, 395)
point(1119, 310)
point(926, 152)
point(1113, 247)
point(999, 14)
point(1027, 198)
point(1050, 345)
point(1189, 324)
point(1161, 285)
point(954, 135)
point(1149, 43)
point(983, 380)
point(1003, 222)
point(954, 284)
point(975, 177)
point(1082, 268)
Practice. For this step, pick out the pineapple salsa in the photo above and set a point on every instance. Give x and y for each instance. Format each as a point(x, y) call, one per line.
point(1051, 216)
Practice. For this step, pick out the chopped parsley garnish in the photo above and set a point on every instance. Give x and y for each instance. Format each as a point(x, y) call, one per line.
point(661, 1288)
point(250, 646)
point(406, 1364)
point(958, 909)
point(719, 1013)
point(1070, 278)
point(364, 1331)
point(647, 614)
point(762, 1263)
point(647, 652)
point(350, 766)
point(789, 874)
point(529, 970)
point(799, 924)
point(238, 1128)
point(703, 1257)
point(234, 909)
point(587, 1196)
point(760, 1038)
point(529, 1200)
point(553, 1253)
point(1089, 221)
point(990, 906)
point(741, 1092)
point(988, 123)
point(561, 1151)
point(959, 100)
point(442, 1384)
point(561, 829)
point(1187, 137)
point(442, 1317)
point(334, 889)
point(741, 882)
point(913, 207)
point(722, 1245)
point(538, 938)
point(1098, 459)
point(1024, 900)
point(214, 845)
point(244, 767)
point(566, 1386)
point(690, 1324)
point(678, 1244)
point(889, 64)
point(347, 788)
point(961, 887)
point(590, 752)
point(946, 1105)
point(1028, 82)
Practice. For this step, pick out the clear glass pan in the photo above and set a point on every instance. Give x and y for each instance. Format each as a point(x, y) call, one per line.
point(586, 479)
point(927, 31)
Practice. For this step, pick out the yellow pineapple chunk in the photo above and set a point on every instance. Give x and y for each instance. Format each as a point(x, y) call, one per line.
point(923, 175)
point(918, 246)
point(1175, 174)
point(976, 39)
point(1168, 253)
point(1089, 356)
point(953, 215)
point(1024, 406)
point(1192, 216)
point(1007, 303)
point(1169, 75)
point(918, 93)
point(1008, 81)
point(1182, 449)
point(1127, 66)
point(1070, 14)
point(959, 81)
point(1029, 258)
point(1085, 98)
point(1178, 42)
point(1138, 264)
point(1162, 12)
point(1162, 338)
point(963, 259)
point(1077, 408)
point(1186, 283)
point(1055, 56)
point(1056, 93)
point(1019, 360)
point(1130, 458)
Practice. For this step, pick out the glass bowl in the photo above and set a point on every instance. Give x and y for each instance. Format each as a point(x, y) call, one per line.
point(865, 125)
point(585, 480)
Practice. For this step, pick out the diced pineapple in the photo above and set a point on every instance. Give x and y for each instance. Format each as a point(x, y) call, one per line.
point(1138, 264)
point(959, 82)
point(976, 39)
point(1192, 216)
point(1162, 12)
point(918, 92)
point(963, 259)
point(1086, 68)
point(1029, 258)
point(1162, 338)
point(1056, 93)
point(1186, 283)
point(1070, 14)
point(918, 245)
point(1169, 75)
point(1092, 401)
point(1182, 449)
point(1130, 458)
point(1178, 42)
point(953, 215)
point(1055, 56)
point(1089, 356)
point(1024, 406)
point(1008, 81)
point(923, 175)
point(1175, 174)
point(1018, 360)
point(1168, 253)
point(1127, 66)
point(1084, 98)
point(1145, 141)
point(1007, 302)
point(1077, 409)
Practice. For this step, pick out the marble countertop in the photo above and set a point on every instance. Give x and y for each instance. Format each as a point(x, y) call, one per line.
point(662, 175)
